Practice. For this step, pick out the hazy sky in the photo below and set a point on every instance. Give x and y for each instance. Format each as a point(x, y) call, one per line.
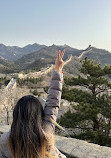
point(77, 23)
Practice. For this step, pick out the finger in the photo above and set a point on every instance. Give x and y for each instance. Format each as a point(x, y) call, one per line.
point(58, 55)
point(62, 53)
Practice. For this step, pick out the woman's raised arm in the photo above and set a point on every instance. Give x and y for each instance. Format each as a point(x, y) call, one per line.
point(54, 94)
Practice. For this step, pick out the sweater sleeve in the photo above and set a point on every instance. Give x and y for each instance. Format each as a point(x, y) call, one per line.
point(53, 101)
point(4, 152)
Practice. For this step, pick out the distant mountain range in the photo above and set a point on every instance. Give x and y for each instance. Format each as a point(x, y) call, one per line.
point(12, 53)
point(45, 56)
point(13, 58)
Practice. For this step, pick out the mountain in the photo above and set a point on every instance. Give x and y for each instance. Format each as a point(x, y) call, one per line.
point(12, 53)
point(99, 55)
point(7, 67)
point(45, 55)
point(72, 68)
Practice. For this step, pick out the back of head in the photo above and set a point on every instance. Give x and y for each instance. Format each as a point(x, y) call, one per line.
point(27, 138)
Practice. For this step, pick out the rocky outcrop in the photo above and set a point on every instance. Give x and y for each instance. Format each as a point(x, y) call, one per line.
point(74, 148)
point(81, 149)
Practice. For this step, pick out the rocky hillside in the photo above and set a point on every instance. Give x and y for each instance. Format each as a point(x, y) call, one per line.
point(72, 68)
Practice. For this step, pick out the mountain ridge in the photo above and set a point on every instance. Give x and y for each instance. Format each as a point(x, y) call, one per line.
point(46, 55)
point(49, 52)
point(12, 53)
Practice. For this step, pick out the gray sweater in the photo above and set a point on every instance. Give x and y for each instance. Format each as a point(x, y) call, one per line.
point(50, 111)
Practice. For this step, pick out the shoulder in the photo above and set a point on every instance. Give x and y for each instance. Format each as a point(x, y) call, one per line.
point(4, 145)
point(4, 137)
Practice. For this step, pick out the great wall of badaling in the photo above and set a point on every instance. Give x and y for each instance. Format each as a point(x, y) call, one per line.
point(12, 83)
point(40, 73)
point(45, 71)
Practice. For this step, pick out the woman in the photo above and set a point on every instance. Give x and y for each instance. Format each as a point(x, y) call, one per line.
point(31, 134)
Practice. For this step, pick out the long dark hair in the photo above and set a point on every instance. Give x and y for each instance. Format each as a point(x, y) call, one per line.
point(27, 138)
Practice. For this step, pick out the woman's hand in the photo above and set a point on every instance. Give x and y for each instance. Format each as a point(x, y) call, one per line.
point(59, 62)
